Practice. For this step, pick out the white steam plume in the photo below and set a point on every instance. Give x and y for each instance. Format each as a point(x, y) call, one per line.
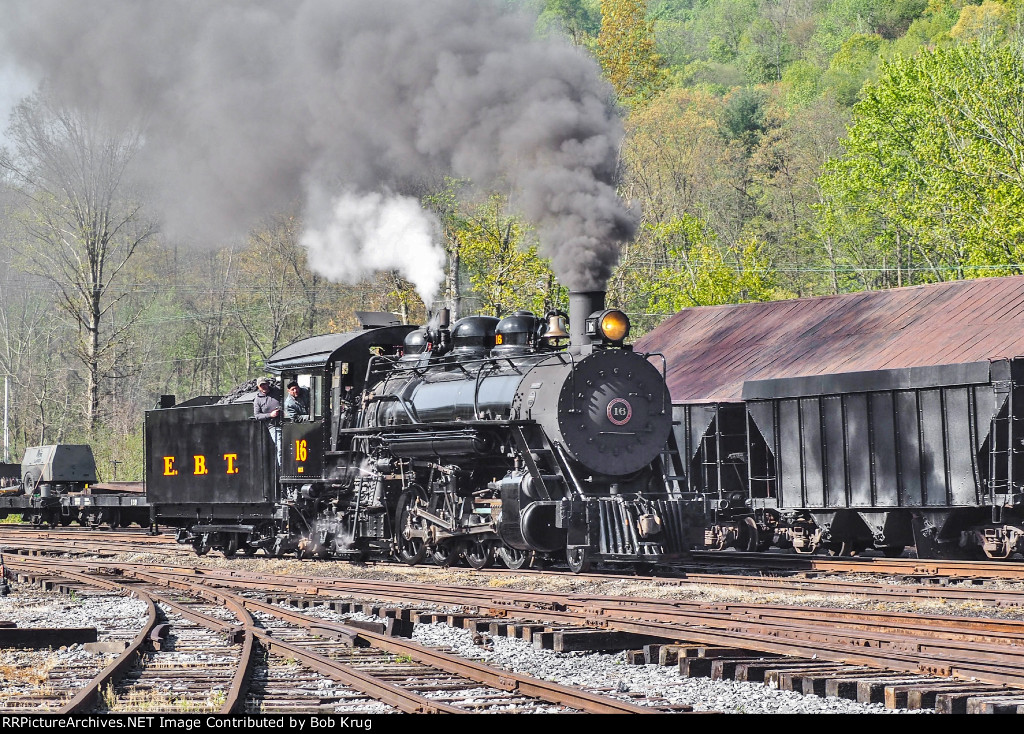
point(370, 232)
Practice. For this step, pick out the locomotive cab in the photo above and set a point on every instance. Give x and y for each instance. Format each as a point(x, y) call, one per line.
point(327, 502)
point(302, 439)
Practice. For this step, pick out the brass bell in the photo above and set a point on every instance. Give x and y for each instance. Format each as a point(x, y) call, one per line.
point(556, 326)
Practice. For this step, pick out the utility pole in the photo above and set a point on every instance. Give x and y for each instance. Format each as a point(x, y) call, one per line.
point(7, 454)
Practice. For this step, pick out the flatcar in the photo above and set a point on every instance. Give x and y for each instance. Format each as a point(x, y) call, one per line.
point(487, 438)
point(56, 485)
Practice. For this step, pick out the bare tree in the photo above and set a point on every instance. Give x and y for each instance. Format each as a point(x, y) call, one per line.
point(32, 357)
point(270, 306)
point(82, 226)
point(280, 237)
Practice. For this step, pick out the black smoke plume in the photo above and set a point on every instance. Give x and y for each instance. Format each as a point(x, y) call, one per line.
point(353, 108)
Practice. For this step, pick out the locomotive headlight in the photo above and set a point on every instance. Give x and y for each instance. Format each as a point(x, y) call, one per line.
point(612, 326)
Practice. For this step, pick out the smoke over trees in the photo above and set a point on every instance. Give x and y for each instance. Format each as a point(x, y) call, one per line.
point(83, 226)
point(356, 109)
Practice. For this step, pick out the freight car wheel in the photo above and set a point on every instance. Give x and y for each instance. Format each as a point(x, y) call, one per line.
point(893, 551)
point(479, 554)
point(513, 558)
point(578, 560)
point(840, 549)
point(202, 544)
point(754, 538)
point(410, 550)
point(750, 536)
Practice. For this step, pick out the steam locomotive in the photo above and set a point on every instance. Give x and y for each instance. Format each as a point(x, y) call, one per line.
point(487, 438)
point(493, 438)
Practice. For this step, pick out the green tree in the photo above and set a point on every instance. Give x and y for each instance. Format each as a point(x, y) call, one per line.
point(801, 80)
point(678, 158)
point(987, 21)
point(701, 272)
point(678, 161)
point(784, 170)
point(931, 182)
point(580, 20)
point(446, 205)
point(626, 50)
point(855, 62)
point(504, 269)
point(492, 266)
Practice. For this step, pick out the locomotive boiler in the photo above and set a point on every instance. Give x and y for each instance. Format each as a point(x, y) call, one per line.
point(507, 438)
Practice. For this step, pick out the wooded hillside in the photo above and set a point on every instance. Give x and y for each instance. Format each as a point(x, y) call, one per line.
point(772, 149)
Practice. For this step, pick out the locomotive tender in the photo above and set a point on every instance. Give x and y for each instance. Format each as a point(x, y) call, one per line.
point(480, 439)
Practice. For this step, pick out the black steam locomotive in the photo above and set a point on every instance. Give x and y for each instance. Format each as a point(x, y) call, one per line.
point(486, 438)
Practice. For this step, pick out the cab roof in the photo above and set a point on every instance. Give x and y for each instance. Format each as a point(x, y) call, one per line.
point(316, 352)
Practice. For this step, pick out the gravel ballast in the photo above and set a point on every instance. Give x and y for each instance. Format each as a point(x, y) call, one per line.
point(607, 673)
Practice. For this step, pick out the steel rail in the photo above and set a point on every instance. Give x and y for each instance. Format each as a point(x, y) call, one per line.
point(396, 696)
point(765, 628)
point(923, 567)
point(502, 680)
point(369, 685)
point(235, 697)
point(937, 569)
point(364, 683)
point(88, 695)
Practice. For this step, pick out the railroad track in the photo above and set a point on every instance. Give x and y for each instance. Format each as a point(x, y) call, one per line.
point(210, 650)
point(880, 580)
point(893, 656)
point(871, 655)
point(704, 564)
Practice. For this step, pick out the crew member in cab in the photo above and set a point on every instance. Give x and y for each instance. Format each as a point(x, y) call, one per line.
point(296, 403)
point(266, 406)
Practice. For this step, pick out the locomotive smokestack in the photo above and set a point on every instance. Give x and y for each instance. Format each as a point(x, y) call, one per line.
point(581, 305)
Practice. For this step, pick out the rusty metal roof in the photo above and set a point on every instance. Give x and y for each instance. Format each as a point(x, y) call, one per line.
point(712, 350)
